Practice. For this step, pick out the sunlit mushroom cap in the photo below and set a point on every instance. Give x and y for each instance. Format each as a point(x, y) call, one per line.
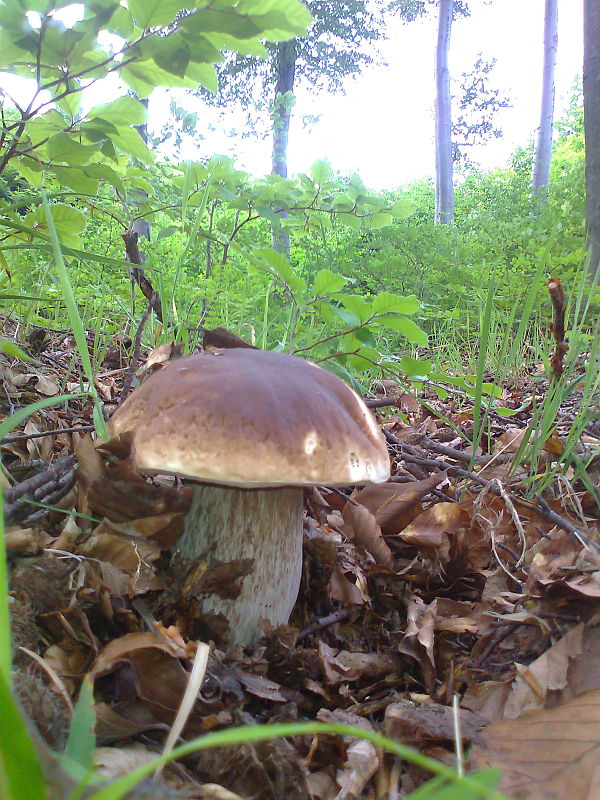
point(252, 418)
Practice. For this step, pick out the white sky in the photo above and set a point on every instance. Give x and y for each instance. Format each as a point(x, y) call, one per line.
point(383, 126)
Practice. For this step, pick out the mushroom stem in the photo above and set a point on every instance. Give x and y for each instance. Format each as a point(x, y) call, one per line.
point(263, 524)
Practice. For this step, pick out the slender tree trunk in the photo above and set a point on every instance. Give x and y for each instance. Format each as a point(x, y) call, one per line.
point(591, 117)
point(543, 146)
point(444, 189)
point(286, 69)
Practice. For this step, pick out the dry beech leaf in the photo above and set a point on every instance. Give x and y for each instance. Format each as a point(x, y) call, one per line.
point(418, 638)
point(361, 527)
point(393, 504)
point(548, 672)
point(429, 528)
point(421, 725)
point(342, 666)
point(343, 590)
point(551, 754)
point(120, 649)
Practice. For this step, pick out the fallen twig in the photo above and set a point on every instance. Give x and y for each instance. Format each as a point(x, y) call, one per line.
point(21, 437)
point(48, 486)
point(324, 622)
point(540, 505)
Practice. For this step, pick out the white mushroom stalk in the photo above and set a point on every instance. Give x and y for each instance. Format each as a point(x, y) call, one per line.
point(254, 428)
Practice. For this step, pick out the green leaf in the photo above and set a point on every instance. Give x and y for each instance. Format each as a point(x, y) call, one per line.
point(327, 282)
point(321, 171)
point(75, 179)
point(204, 74)
point(385, 302)
point(402, 209)
point(409, 329)
point(68, 221)
point(378, 220)
point(365, 358)
point(350, 221)
point(144, 76)
point(414, 367)
point(154, 13)
point(65, 149)
point(357, 305)
point(506, 412)
point(171, 53)
point(81, 740)
point(165, 232)
point(245, 47)
point(105, 173)
point(441, 788)
point(130, 141)
point(231, 22)
point(46, 125)
point(122, 112)
point(30, 170)
point(280, 266)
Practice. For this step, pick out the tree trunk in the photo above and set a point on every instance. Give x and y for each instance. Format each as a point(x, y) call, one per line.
point(543, 146)
point(444, 189)
point(286, 69)
point(591, 118)
point(228, 524)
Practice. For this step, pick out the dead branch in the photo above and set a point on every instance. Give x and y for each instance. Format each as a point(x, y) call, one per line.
point(557, 328)
point(130, 237)
point(47, 487)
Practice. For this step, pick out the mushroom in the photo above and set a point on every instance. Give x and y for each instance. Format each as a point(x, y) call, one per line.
point(251, 428)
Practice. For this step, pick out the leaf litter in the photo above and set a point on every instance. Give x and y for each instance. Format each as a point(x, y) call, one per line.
point(444, 581)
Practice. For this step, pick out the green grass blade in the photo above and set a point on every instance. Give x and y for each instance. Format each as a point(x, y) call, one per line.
point(81, 740)
point(259, 733)
point(74, 317)
point(21, 776)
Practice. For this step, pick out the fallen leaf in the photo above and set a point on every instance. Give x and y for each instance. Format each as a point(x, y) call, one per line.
point(361, 527)
point(549, 754)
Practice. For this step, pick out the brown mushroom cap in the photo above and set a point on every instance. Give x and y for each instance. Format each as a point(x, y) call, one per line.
point(252, 418)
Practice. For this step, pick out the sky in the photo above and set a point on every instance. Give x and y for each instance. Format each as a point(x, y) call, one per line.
point(383, 126)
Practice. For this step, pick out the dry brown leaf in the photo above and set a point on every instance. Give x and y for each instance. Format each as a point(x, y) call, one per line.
point(120, 649)
point(418, 638)
point(344, 591)
point(26, 541)
point(394, 504)
point(429, 528)
point(342, 666)
point(547, 754)
point(361, 527)
point(546, 673)
point(424, 724)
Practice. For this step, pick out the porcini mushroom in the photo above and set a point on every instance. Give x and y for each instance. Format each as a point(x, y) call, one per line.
point(251, 428)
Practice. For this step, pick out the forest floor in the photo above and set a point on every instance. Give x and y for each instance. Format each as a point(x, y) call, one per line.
point(447, 581)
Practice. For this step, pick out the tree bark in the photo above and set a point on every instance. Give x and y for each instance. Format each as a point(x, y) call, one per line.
point(444, 189)
point(286, 70)
point(543, 146)
point(229, 524)
point(591, 121)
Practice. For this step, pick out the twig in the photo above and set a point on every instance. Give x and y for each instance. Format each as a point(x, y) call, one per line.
point(557, 328)
point(542, 506)
point(130, 238)
point(460, 455)
point(53, 483)
point(324, 622)
point(21, 437)
point(137, 349)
